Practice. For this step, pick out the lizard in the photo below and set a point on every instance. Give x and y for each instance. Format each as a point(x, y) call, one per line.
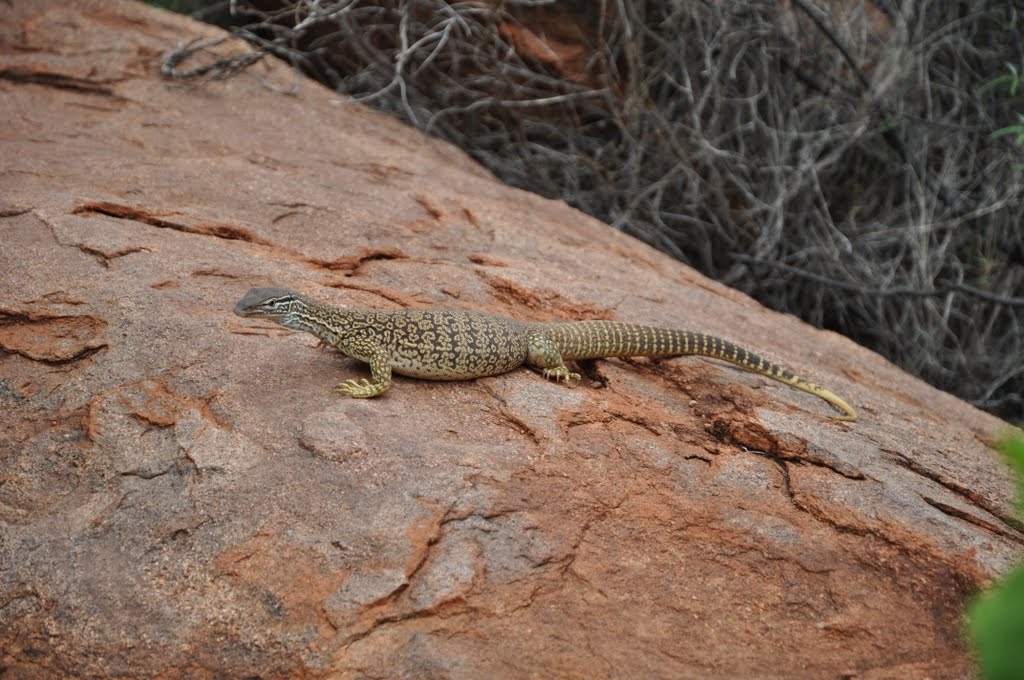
point(447, 344)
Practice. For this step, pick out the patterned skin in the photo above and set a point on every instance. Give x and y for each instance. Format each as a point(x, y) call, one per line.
point(457, 345)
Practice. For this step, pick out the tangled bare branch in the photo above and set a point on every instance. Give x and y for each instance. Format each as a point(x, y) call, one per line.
point(832, 159)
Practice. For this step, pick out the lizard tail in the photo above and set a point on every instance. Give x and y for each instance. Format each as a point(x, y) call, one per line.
point(598, 339)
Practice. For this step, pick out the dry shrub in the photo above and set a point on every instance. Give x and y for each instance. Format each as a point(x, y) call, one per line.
point(833, 160)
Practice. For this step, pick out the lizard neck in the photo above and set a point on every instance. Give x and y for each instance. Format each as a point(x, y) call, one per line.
point(325, 322)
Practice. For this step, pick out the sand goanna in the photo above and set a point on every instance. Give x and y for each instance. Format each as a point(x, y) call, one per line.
point(457, 345)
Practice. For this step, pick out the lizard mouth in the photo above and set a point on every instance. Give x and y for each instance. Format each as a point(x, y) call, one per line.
point(251, 312)
point(254, 304)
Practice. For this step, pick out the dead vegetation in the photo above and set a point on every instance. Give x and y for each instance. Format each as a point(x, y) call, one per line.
point(834, 160)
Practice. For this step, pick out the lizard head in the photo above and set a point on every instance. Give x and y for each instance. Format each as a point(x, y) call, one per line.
point(273, 304)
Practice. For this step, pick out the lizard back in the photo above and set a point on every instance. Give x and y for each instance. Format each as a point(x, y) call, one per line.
point(439, 344)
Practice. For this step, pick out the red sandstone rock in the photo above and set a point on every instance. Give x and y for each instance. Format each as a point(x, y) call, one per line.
point(183, 493)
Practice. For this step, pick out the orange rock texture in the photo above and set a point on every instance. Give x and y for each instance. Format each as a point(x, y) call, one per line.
point(183, 494)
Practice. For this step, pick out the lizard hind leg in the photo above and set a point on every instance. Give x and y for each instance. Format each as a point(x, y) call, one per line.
point(542, 354)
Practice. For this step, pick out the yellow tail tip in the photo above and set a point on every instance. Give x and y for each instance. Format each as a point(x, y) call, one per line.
point(849, 415)
point(834, 400)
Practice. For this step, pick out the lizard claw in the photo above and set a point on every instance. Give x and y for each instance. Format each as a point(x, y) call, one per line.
point(360, 389)
point(353, 388)
point(559, 373)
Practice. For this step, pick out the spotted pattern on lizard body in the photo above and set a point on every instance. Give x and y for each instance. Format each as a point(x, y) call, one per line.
point(457, 345)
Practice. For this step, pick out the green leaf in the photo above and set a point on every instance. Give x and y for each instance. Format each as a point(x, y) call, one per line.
point(1008, 130)
point(996, 622)
point(994, 83)
point(996, 618)
point(1012, 448)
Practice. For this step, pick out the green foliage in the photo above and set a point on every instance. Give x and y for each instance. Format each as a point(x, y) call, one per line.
point(1013, 449)
point(996, 619)
point(1017, 129)
point(997, 626)
point(1012, 79)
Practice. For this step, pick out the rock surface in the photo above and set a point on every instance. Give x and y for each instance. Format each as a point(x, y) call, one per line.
point(183, 493)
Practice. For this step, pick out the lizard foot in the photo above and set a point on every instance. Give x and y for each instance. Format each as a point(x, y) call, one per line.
point(360, 389)
point(559, 373)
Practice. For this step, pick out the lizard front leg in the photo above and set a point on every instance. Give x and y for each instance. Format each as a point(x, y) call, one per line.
point(380, 377)
point(541, 353)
